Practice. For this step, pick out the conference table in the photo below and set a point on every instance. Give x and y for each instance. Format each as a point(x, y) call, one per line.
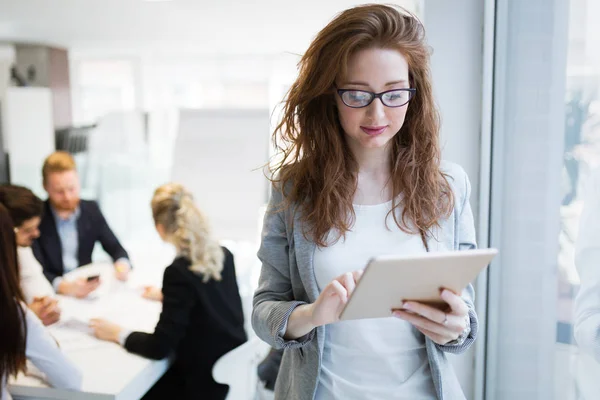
point(109, 371)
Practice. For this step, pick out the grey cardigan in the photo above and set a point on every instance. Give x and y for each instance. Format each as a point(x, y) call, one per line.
point(287, 280)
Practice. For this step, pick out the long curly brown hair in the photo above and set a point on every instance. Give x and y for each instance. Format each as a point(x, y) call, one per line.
point(317, 168)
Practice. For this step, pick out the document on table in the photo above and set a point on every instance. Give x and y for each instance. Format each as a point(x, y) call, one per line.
point(74, 335)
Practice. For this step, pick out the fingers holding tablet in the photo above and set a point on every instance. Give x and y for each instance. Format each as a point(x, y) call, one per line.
point(440, 326)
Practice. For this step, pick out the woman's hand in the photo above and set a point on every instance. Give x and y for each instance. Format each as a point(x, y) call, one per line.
point(326, 309)
point(330, 303)
point(46, 308)
point(105, 330)
point(441, 327)
point(152, 293)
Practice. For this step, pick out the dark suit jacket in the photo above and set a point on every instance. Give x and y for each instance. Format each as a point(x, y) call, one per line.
point(199, 323)
point(91, 227)
point(269, 368)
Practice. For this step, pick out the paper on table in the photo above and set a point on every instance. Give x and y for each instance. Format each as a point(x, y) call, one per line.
point(130, 310)
point(76, 324)
point(74, 335)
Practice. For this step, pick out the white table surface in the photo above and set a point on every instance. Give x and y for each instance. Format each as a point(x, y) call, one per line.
point(109, 371)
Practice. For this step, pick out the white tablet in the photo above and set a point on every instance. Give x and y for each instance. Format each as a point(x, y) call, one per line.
point(389, 280)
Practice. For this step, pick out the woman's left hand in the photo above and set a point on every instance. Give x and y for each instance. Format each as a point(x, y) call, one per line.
point(441, 327)
point(152, 293)
point(105, 330)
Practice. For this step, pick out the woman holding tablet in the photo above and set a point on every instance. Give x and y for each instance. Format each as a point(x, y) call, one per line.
point(361, 176)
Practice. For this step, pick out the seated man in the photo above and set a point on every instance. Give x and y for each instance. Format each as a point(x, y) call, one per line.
point(70, 228)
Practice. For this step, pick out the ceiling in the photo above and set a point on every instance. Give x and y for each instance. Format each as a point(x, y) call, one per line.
point(223, 26)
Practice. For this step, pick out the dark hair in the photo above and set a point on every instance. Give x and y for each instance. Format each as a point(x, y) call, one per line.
point(317, 168)
point(13, 332)
point(21, 203)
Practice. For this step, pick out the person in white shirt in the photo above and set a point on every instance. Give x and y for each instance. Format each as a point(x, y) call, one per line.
point(30, 340)
point(25, 210)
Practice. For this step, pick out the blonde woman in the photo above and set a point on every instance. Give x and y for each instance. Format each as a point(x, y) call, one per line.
point(202, 316)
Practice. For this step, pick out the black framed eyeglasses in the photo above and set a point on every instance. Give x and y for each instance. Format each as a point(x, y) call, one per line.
point(390, 98)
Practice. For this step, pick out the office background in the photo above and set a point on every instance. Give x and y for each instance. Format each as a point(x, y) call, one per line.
point(142, 92)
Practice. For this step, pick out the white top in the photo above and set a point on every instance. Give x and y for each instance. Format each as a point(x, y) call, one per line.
point(33, 282)
point(375, 359)
point(43, 352)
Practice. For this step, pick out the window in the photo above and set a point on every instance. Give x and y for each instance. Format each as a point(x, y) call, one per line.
point(581, 157)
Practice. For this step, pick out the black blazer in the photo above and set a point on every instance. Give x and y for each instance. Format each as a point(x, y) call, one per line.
point(91, 227)
point(199, 323)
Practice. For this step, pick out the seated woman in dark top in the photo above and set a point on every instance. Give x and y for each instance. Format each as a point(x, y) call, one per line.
point(202, 316)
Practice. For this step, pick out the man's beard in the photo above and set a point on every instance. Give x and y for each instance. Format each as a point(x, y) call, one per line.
point(66, 207)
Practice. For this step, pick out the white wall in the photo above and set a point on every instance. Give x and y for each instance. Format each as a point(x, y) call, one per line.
point(218, 156)
point(455, 32)
point(27, 139)
point(7, 58)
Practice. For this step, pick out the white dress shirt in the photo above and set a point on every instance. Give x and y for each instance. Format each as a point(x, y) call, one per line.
point(33, 282)
point(44, 353)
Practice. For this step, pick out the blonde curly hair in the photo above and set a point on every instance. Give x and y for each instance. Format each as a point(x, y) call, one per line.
point(173, 207)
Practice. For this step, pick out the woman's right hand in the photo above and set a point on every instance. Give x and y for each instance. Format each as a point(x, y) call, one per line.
point(46, 308)
point(325, 310)
point(330, 303)
point(152, 293)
